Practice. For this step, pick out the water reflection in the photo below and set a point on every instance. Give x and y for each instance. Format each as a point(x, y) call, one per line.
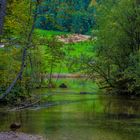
point(121, 108)
point(92, 118)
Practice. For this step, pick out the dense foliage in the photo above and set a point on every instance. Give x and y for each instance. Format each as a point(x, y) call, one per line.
point(117, 63)
point(31, 56)
point(63, 15)
point(28, 56)
point(18, 41)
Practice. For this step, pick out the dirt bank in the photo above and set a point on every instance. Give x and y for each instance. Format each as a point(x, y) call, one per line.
point(73, 38)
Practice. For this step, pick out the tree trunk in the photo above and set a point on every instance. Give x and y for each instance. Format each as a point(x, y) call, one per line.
point(50, 78)
point(27, 46)
point(2, 14)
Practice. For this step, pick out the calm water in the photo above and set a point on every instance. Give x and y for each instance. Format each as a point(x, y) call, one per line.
point(79, 117)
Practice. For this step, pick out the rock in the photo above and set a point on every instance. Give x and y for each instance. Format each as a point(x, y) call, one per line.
point(63, 85)
point(15, 126)
point(83, 92)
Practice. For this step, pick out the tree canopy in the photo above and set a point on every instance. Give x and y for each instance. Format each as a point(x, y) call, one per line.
point(70, 16)
point(117, 61)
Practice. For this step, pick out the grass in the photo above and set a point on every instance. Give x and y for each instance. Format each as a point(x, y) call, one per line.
point(47, 33)
point(80, 48)
point(73, 51)
point(78, 84)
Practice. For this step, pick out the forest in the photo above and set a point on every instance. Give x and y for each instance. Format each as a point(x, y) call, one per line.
point(69, 69)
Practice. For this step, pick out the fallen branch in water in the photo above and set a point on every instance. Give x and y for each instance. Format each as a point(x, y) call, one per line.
point(26, 106)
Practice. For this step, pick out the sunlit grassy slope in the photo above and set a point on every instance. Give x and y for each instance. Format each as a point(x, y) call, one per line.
point(76, 51)
point(81, 48)
point(48, 33)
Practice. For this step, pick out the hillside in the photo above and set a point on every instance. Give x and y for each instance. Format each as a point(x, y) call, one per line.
point(69, 16)
point(76, 48)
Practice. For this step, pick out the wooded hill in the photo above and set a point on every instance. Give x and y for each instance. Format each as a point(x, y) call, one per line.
point(66, 15)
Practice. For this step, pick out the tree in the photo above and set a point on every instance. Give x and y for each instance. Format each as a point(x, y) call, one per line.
point(117, 61)
point(65, 15)
point(29, 14)
point(2, 14)
point(55, 54)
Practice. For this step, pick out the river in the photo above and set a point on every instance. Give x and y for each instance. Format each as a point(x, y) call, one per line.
point(68, 115)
